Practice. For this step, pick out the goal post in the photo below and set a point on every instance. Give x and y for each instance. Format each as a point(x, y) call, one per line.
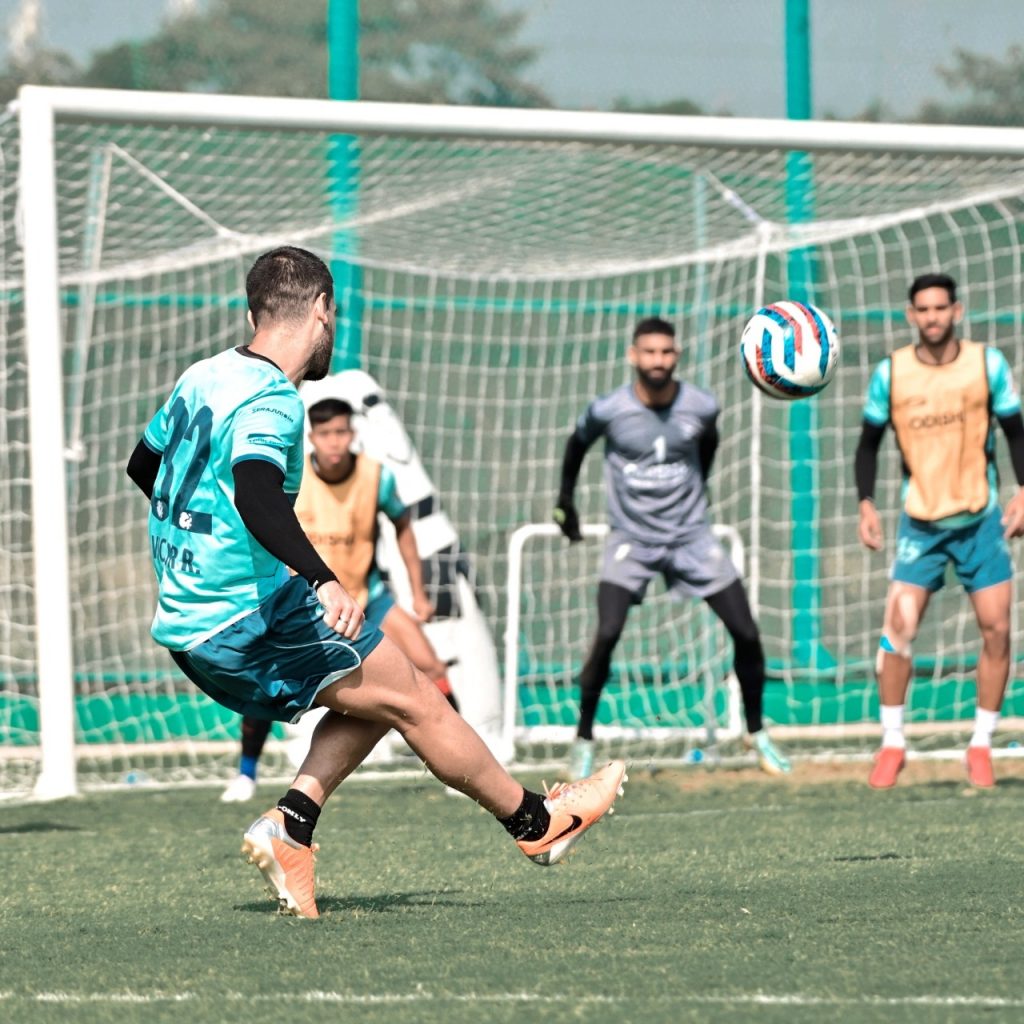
point(668, 726)
point(500, 260)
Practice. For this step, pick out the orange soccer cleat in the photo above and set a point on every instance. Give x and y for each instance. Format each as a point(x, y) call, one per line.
point(889, 762)
point(979, 767)
point(286, 865)
point(574, 807)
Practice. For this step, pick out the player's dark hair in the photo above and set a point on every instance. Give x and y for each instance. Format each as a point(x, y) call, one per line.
point(283, 283)
point(923, 281)
point(653, 325)
point(326, 409)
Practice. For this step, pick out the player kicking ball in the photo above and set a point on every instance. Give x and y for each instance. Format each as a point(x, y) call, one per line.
point(221, 464)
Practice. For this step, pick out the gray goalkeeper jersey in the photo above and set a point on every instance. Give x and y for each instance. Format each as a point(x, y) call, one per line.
point(652, 461)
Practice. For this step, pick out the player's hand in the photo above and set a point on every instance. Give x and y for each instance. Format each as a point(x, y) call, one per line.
point(568, 520)
point(422, 608)
point(341, 611)
point(869, 529)
point(1013, 516)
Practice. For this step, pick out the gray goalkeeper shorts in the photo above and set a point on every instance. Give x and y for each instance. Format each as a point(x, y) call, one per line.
point(699, 567)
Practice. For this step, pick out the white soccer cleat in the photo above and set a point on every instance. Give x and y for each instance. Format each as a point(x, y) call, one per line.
point(240, 789)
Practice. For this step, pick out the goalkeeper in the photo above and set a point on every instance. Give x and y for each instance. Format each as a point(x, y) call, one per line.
point(660, 439)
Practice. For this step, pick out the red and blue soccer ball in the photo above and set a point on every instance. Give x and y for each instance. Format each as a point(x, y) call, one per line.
point(790, 350)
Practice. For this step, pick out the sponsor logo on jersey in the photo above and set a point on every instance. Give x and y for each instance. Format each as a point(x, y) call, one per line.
point(943, 419)
point(268, 441)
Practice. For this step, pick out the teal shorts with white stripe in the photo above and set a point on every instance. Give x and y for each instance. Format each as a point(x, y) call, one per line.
point(272, 663)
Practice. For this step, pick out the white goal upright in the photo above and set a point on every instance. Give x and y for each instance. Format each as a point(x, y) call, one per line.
point(491, 264)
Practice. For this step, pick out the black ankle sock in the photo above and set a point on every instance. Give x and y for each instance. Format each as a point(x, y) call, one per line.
point(300, 816)
point(530, 819)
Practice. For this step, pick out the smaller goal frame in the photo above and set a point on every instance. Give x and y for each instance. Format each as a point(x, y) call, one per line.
point(513, 732)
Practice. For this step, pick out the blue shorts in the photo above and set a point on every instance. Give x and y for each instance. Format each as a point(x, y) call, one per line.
point(979, 553)
point(272, 663)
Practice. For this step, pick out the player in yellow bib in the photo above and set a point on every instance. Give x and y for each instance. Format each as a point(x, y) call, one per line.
point(941, 397)
point(339, 500)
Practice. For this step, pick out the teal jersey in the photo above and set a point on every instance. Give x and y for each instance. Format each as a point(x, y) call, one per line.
point(391, 505)
point(211, 571)
point(388, 500)
point(1004, 401)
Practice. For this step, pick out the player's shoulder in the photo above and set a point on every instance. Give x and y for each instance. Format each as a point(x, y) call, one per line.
point(697, 399)
point(995, 359)
point(606, 405)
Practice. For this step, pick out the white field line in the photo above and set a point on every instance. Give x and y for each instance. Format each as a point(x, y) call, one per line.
point(797, 999)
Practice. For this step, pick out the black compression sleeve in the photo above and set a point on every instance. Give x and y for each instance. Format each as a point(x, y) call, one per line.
point(269, 517)
point(708, 445)
point(1013, 428)
point(143, 466)
point(865, 463)
point(575, 449)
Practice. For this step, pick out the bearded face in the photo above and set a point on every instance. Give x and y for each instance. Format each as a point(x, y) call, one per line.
point(320, 359)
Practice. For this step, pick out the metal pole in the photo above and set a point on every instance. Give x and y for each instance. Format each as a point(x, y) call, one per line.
point(343, 182)
point(805, 536)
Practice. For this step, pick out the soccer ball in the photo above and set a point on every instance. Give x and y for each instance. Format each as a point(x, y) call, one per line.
point(790, 350)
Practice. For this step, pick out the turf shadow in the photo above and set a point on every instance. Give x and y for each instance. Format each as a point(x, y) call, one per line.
point(382, 903)
point(37, 826)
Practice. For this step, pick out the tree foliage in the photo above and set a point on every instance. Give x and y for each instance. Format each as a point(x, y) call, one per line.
point(994, 90)
point(432, 51)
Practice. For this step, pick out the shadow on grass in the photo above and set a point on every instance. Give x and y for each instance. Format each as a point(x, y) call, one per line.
point(36, 827)
point(378, 904)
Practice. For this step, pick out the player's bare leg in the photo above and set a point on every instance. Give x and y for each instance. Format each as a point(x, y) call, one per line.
point(904, 608)
point(385, 693)
point(408, 634)
point(992, 610)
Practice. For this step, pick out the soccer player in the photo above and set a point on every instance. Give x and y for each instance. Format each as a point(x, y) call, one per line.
point(940, 395)
point(220, 463)
point(660, 439)
point(339, 499)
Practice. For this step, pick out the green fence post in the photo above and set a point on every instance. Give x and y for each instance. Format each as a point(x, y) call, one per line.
point(343, 183)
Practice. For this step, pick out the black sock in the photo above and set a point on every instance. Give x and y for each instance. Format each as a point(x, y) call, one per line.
point(530, 819)
point(300, 816)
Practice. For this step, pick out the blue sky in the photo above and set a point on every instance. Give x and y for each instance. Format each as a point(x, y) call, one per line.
point(723, 54)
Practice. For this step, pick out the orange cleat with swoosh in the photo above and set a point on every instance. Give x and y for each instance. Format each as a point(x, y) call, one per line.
point(574, 807)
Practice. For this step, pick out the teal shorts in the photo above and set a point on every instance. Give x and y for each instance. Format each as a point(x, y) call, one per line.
point(272, 663)
point(979, 553)
point(379, 604)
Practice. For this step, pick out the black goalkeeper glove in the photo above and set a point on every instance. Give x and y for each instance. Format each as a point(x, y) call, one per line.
point(568, 519)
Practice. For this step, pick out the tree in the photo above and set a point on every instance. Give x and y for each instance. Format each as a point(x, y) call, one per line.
point(432, 51)
point(679, 106)
point(40, 67)
point(995, 90)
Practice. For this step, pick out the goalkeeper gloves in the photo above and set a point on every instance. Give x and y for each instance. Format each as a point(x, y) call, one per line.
point(568, 519)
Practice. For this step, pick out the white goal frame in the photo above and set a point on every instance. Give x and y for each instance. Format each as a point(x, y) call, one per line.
point(513, 732)
point(38, 108)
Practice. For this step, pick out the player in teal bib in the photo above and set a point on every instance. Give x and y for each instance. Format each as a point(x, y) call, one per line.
point(221, 464)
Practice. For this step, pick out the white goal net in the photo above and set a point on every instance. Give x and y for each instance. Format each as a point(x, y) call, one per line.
point(491, 266)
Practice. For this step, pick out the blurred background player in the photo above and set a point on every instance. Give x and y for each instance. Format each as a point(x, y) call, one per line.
point(458, 630)
point(940, 395)
point(338, 504)
point(660, 440)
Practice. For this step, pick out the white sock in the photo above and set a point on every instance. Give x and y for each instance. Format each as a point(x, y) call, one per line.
point(892, 726)
point(984, 725)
